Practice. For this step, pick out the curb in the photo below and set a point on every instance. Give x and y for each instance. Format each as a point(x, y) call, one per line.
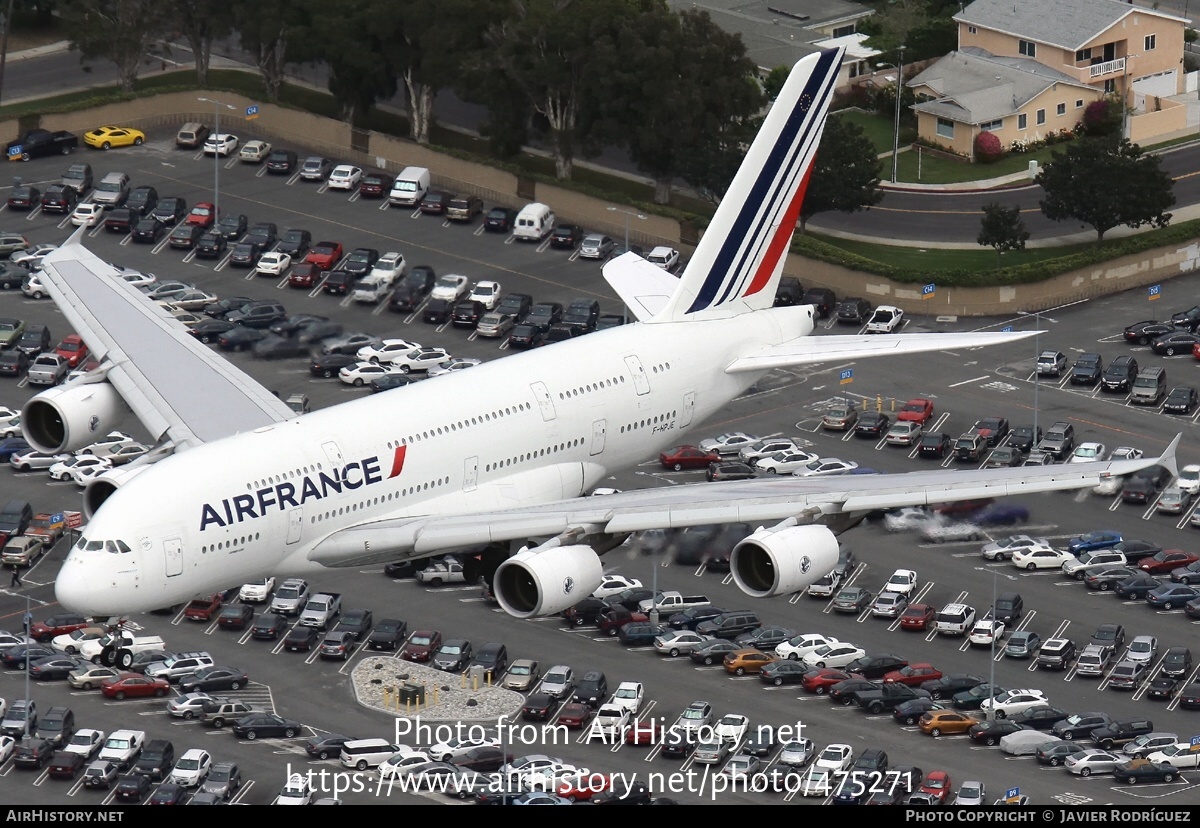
point(40, 51)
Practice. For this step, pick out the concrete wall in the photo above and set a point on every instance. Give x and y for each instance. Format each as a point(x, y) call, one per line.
point(1156, 123)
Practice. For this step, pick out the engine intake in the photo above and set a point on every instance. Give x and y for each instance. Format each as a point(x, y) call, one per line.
point(782, 561)
point(547, 579)
point(100, 487)
point(71, 416)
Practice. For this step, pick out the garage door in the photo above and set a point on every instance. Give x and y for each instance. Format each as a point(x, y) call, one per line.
point(1163, 85)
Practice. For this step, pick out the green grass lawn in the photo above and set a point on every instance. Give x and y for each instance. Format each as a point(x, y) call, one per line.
point(878, 128)
point(934, 260)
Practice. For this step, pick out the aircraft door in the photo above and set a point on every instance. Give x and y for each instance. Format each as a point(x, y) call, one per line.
point(295, 524)
point(173, 554)
point(470, 473)
point(689, 409)
point(640, 383)
point(543, 399)
point(333, 454)
point(598, 429)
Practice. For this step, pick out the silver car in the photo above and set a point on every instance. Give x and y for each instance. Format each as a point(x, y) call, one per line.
point(679, 642)
point(888, 605)
point(558, 681)
point(596, 246)
point(797, 754)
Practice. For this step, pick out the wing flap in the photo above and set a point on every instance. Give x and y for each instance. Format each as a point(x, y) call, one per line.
point(810, 349)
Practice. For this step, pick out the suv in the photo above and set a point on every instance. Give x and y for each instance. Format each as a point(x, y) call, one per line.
point(1120, 374)
point(592, 689)
point(1059, 440)
point(730, 625)
point(1150, 386)
point(1009, 608)
point(178, 666)
point(218, 712)
point(582, 314)
point(969, 447)
point(1087, 370)
point(1121, 731)
point(464, 208)
point(1056, 654)
point(1093, 661)
point(57, 726)
point(1051, 363)
point(823, 299)
point(191, 135)
point(13, 723)
point(955, 619)
point(142, 200)
point(854, 311)
point(157, 759)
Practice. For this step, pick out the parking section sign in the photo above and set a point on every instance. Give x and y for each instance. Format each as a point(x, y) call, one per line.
point(846, 376)
point(928, 291)
point(251, 112)
point(1154, 292)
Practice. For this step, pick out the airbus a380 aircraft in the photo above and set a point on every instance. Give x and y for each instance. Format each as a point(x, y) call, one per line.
point(502, 453)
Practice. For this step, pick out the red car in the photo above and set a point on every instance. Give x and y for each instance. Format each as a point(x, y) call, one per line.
point(72, 349)
point(644, 733)
point(325, 255)
point(55, 625)
point(304, 275)
point(1167, 560)
point(134, 686)
point(914, 675)
point(937, 784)
point(917, 617)
point(204, 214)
point(202, 609)
point(421, 645)
point(916, 411)
point(575, 715)
point(687, 457)
point(584, 786)
point(820, 680)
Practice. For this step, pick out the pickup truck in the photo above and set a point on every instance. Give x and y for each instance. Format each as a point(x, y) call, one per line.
point(888, 696)
point(124, 646)
point(322, 609)
point(672, 601)
point(37, 143)
point(291, 597)
point(122, 747)
point(49, 527)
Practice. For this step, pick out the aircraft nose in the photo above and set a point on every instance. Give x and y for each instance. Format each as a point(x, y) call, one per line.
point(79, 585)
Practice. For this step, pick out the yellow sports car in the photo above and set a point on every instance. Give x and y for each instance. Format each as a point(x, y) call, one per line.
point(107, 137)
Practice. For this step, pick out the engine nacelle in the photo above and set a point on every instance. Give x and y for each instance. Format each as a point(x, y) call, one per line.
point(101, 486)
point(547, 579)
point(783, 561)
point(71, 416)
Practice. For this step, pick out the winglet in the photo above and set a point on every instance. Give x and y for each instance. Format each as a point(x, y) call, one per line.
point(1167, 458)
point(77, 236)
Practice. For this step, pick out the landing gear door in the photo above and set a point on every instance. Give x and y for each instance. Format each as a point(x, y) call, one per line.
point(173, 554)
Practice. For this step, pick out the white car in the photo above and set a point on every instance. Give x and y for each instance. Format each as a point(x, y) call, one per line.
point(611, 584)
point(453, 748)
point(450, 287)
point(11, 427)
point(31, 257)
point(971, 793)
point(297, 791)
point(137, 278)
point(1011, 702)
point(907, 518)
point(1179, 755)
point(419, 359)
point(1093, 760)
point(486, 292)
point(1143, 650)
point(258, 591)
point(221, 143)
point(730, 443)
point(192, 768)
point(903, 433)
point(611, 720)
point(119, 453)
point(453, 365)
point(732, 727)
point(188, 705)
point(801, 645)
point(985, 631)
point(833, 655)
point(767, 447)
point(400, 763)
point(1040, 557)
point(784, 462)
point(1189, 479)
point(69, 469)
point(664, 257)
point(87, 214)
point(361, 373)
point(345, 177)
point(1005, 548)
point(33, 287)
point(629, 695)
point(390, 266)
point(835, 758)
point(274, 262)
point(253, 152)
point(113, 438)
point(85, 742)
point(69, 643)
point(386, 351)
point(1112, 485)
point(885, 319)
point(1089, 453)
point(1076, 565)
point(903, 581)
point(825, 466)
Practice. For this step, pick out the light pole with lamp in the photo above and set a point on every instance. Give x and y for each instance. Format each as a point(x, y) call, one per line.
point(896, 128)
point(28, 621)
point(990, 713)
point(625, 309)
point(1037, 349)
point(216, 153)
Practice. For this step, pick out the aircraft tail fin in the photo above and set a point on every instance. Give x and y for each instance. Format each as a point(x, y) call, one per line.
point(738, 262)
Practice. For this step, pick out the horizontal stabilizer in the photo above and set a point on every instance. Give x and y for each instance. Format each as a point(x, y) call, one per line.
point(644, 288)
point(810, 349)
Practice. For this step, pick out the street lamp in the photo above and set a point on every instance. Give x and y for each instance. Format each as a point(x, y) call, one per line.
point(628, 214)
point(990, 713)
point(216, 155)
point(1037, 352)
point(896, 128)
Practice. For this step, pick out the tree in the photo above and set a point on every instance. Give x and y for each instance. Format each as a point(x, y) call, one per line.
point(265, 27)
point(202, 22)
point(1104, 183)
point(1003, 229)
point(122, 31)
point(773, 82)
point(348, 37)
point(845, 176)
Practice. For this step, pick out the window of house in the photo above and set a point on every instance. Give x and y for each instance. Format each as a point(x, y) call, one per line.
point(1110, 86)
point(1041, 117)
point(1151, 42)
point(1082, 55)
point(992, 126)
point(945, 129)
point(1079, 104)
point(1022, 121)
point(842, 31)
point(972, 30)
point(1027, 47)
point(1062, 109)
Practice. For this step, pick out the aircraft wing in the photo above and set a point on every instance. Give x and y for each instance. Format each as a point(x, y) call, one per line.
point(759, 502)
point(809, 349)
point(178, 388)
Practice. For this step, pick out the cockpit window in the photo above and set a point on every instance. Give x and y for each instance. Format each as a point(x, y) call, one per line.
point(112, 547)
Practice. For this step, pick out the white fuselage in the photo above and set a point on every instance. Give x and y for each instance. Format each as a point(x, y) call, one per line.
point(531, 428)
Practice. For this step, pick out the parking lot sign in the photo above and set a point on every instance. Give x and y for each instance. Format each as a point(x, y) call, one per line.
point(1155, 292)
point(15, 152)
point(251, 112)
point(846, 376)
point(1012, 794)
point(927, 291)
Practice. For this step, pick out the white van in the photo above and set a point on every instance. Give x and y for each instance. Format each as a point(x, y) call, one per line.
point(410, 186)
point(361, 754)
point(534, 222)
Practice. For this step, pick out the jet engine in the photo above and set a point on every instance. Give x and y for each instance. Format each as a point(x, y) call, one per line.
point(71, 416)
point(780, 561)
point(101, 486)
point(548, 579)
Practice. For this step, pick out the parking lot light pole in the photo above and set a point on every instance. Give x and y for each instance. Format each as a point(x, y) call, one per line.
point(896, 128)
point(216, 154)
point(628, 213)
point(1037, 352)
point(991, 715)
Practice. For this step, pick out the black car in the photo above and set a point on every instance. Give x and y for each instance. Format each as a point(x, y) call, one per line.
point(185, 236)
point(1176, 342)
point(582, 314)
point(641, 633)
point(991, 732)
point(141, 200)
point(853, 311)
point(845, 692)
point(729, 470)
point(689, 619)
point(264, 234)
point(388, 382)
point(1056, 753)
point(12, 276)
point(934, 444)
point(1136, 550)
point(499, 220)
point(295, 243)
point(133, 788)
point(538, 707)
point(973, 699)
point(1087, 369)
point(147, 230)
point(1025, 437)
point(713, 652)
point(356, 621)
point(566, 236)
point(375, 185)
point(232, 227)
point(1181, 400)
point(783, 671)
point(326, 746)
point(293, 324)
point(435, 202)
point(415, 286)
point(265, 725)
point(170, 210)
point(993, 430)
point(1162, 687)
point(467, 313)
point(245, 254)
point(269, 626)
point(13, 363)
point(59, 198)
point(388, 634)
point(911, 711)
point(235, 616)
point(544, 315)
point(1143, 485)
point(274, 346)
point(210, 245)
point(54, 668)
point(873, 424)
point(526, 336)
point(282, 162)
point(32, 752)
point(1143, 333)
point(1188, 319)
point(437, 312)
point(946, 686)
point(24, 198)
point(328, 365)
point(876, 666)
point(301, 639)
point(339, 282)
point(241, 338)
point(213, 678)
point(1039, 718)
point(1120, 374)
point(1137, 587)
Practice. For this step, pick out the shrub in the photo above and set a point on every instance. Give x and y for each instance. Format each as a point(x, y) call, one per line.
point(987, 147)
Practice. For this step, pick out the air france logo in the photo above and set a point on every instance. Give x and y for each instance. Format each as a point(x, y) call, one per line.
point(805, 565)
point(312, 487)
point(568, 585)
